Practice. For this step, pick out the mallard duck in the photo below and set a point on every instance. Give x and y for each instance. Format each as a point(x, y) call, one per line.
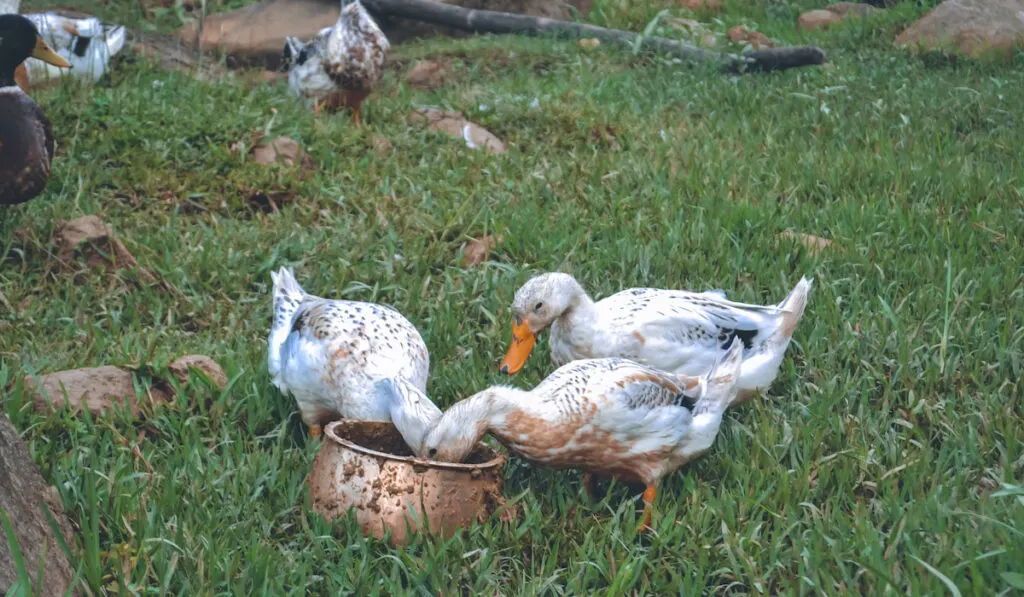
point(341, 65)
point(87, 44)
point(609, 416)
point(672, 330)
point(348, 359)
point(26, 139)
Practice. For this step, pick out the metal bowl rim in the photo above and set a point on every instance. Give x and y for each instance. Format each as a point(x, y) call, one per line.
point(329, 432)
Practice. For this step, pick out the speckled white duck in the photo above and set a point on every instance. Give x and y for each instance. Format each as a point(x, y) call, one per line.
point(673, 330)
point(611, 417)
point(348, 359)
point(341, 65)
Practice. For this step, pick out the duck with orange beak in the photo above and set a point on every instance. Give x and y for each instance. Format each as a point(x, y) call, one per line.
point(677, 331)
point(26, 138)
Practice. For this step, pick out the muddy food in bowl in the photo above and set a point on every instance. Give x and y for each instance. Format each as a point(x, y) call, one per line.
point(367, 466)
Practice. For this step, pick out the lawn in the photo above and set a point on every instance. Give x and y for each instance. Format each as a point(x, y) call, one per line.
point(873, 465)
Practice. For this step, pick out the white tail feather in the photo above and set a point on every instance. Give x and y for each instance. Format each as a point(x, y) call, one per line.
point(793, 307)
point(288, 295)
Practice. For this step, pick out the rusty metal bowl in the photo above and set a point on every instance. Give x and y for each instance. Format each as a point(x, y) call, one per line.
point(366, 466)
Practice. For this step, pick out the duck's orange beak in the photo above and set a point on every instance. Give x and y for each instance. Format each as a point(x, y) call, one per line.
point(43, 52)
point(522, 343)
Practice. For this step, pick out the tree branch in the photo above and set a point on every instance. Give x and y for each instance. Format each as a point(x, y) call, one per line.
point(488, 21)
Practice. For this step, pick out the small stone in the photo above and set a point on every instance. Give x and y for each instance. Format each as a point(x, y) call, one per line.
point(588, 43)
point(91, 238)
point(699, 5)
point(818, 19)
point(97, 389)
point(972, 28)
point(282, 150)
point(382, 146)
point(182, 367)
point(430, 74)
point(756, 39)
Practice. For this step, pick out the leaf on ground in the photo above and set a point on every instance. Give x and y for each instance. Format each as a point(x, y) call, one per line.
point(476, 251)
point(814, 244)
point(756, 39)
point(604, 135)
point(382, 146)
point(456, 125)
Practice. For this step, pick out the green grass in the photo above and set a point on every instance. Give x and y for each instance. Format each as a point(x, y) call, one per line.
point(871, 467)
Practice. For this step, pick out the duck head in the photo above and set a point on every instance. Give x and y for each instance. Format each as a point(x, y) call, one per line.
point(537, 304)
point(20, 40)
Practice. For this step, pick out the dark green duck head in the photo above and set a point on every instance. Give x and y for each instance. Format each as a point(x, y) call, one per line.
point(19, 40)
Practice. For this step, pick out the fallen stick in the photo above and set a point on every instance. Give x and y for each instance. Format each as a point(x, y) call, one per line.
point(489, 21)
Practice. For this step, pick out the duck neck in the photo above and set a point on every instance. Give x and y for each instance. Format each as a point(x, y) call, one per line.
point(579, 314)
point(486, 409)
point(7, 73)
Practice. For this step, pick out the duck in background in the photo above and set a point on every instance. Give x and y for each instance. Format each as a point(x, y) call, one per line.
point(26, 137)
point(610, 417)
point(673, 330)
point(349, 359)
point(341, 65)
point(86, 44)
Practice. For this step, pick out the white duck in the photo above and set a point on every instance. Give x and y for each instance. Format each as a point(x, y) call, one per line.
point(672, 330)
point(611, 417)
point(341, 65)
point(88, 44)
point(348, 359)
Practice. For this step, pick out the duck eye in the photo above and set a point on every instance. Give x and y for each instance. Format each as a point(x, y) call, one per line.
point(433, 452)
point(538, 306)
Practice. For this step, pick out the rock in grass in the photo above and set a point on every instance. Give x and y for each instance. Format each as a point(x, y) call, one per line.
point(23, 496)
point(101, 389)
point(90, 239)
point(281, 150)
point(430, 74)
point(832, 14)
point(182, 367)
point(969, 27)
point(701, 5)
point(97, 389)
